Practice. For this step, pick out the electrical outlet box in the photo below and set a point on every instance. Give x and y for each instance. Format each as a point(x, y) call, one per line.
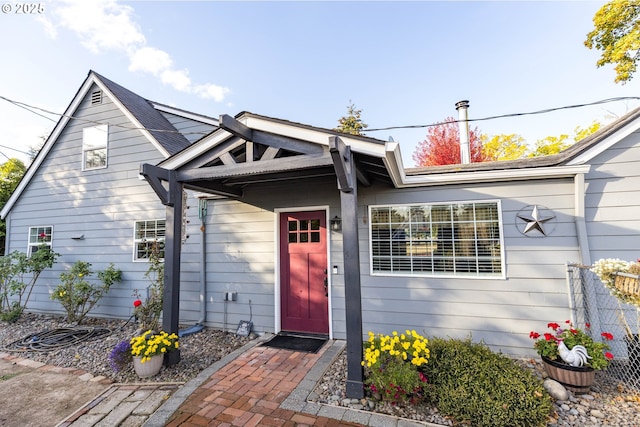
point(230, 296)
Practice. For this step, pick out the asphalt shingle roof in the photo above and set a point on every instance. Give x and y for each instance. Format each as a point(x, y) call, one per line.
point(150, 118)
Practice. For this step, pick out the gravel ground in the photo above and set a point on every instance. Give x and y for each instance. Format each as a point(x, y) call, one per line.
point(608, 404)
point(197, 351)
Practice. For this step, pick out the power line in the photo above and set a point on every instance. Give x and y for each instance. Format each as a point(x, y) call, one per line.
point(14, 149)
point(30, 108)
point(503, 116)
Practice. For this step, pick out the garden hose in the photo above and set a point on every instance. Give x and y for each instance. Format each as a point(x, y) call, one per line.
point(55, 339)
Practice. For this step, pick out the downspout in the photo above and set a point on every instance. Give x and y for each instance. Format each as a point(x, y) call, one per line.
point(199, 326)
point(585, 253)
point(202, 214)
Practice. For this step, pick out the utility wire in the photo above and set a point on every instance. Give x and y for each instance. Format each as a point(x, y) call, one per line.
point(501, 116)
point(30, 108)
point(14, 149)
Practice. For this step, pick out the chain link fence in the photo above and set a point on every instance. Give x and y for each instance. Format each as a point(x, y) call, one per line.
point(593, 304)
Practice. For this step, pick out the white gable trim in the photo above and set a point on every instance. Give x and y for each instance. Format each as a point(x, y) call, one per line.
point(186, 114)
point(312, 135)
point(493, 176)
point(196, 149)
point(62, 123)
point(606, 143)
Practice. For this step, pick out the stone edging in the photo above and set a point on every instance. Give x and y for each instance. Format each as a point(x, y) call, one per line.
point(39, 366)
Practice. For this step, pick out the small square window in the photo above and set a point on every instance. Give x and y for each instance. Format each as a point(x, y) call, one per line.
point(148, 236)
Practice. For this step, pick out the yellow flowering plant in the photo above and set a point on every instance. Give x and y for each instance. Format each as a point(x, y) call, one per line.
point(151, 344)
point(392, 365)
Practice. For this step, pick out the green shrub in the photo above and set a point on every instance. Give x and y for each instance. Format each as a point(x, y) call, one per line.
point(77, 295)
point(18, 276)
point(470, 383)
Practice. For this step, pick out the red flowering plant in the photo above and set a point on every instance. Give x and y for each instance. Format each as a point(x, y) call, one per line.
point(546, 345)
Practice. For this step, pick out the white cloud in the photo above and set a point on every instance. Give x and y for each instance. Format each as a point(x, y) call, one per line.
point(211, 91)
point(178, 79)
point(106, 25)
point(101, 25)
point(48, 26)
point(150, 60)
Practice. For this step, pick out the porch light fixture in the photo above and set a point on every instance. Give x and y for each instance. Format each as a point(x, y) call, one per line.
point(336, 224)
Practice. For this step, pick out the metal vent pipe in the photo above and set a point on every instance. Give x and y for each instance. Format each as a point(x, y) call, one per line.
point(463, 117)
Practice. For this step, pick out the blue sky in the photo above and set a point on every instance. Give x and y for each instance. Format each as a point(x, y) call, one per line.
point(402, 63)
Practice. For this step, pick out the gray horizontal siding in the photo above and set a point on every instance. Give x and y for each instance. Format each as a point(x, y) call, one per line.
point(613, 201)
point(102, 204)
point(500, 312)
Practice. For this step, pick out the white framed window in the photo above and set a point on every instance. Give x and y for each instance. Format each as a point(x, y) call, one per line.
point(148, 233)
point(94, 147)
point(40, 235)
point(452, 239)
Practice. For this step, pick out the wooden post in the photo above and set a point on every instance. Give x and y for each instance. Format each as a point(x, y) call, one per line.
point(353, 300)
point(172, 250)
point(344, 165)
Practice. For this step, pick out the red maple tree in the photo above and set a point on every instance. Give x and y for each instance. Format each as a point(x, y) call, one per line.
point(442, 145)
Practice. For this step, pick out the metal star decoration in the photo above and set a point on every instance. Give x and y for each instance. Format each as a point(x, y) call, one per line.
point(535, 221)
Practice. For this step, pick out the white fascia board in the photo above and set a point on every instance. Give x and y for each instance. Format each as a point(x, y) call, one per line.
point(493, 176)
point(393, 162)
point(606, 143)
point(186, 114)
point(195, 150)
point(312, 135)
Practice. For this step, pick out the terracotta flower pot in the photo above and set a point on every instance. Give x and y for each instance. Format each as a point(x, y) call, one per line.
point(148, 368)
point(578, 379)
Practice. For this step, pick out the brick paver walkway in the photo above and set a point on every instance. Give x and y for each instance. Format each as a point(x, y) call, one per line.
point(249, 390)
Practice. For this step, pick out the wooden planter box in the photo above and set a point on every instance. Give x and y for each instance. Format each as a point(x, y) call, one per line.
point(628, 284)
point(578, 379)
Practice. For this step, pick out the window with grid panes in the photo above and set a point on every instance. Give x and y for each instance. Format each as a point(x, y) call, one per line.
point(41, 235)
point(146, 234)
point(461, 239)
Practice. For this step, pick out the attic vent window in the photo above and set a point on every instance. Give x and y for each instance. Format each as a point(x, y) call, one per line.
point(96, 97)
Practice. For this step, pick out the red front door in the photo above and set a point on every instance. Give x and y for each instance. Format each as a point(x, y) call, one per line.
point(303, 272)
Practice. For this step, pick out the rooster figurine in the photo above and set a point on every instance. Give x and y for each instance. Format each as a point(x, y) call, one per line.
point(577, 356)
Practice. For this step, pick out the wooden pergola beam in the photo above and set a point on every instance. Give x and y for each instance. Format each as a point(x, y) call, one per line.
point(255, 168)
point(344, 164)
point(155, 175)
point(233, 126)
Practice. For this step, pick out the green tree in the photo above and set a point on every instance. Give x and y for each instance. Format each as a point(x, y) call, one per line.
point(617, 34)
point(11, 172)
point(504, 147)
point(351, 123)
